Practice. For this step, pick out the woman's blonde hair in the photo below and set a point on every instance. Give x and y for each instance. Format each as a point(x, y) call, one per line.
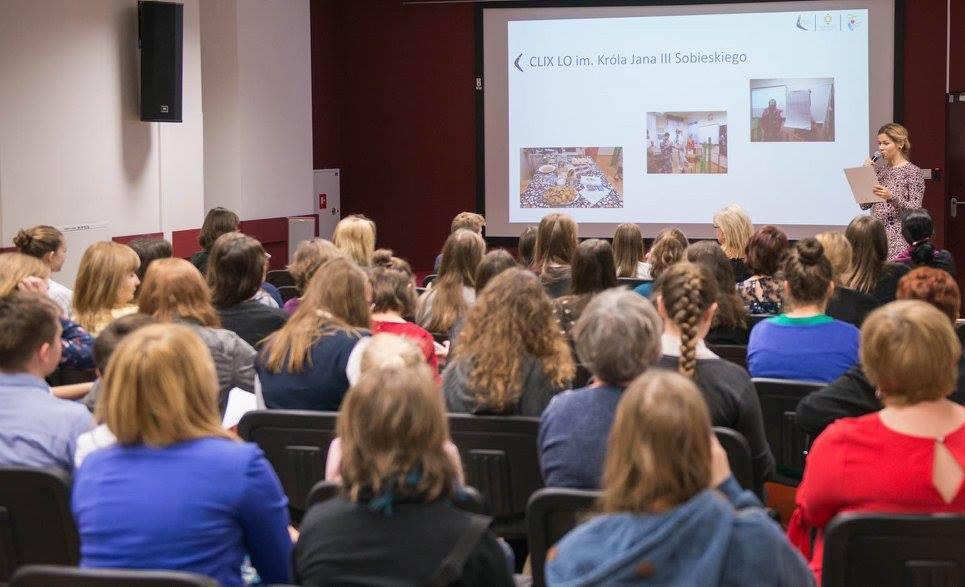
point(15, 267)
point(899, 135)
point(386, 350)
point(355, 236)
point(627, 249)
point(512, 319)
point(38, 241)
point(440, 308)
point(838, 251)
point(333, 302)
point(308, 257)
point(736, 228)
point(658, 455)
point(103, 269)
point(393, 429)
point(160, 388)
point(687, 290)
point(174, 288)
point(555, 241)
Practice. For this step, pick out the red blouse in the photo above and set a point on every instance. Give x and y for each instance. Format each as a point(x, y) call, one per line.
point(861, 465)
point(417, 334)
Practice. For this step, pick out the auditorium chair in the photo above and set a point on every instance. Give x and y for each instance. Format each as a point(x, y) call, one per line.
point(280, 278)
point(735, 353)
point(53, 576)
point(738, 456)
point(911, 550)
point(550, 514)
point(465, 497)
point(288, 292)
point(36, 524)
point(753, 319)
point(789, 444)
point(632, 282)
point(296, 443)
point(429, 279)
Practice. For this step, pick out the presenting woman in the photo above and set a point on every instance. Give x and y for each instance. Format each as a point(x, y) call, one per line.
point(900, 184)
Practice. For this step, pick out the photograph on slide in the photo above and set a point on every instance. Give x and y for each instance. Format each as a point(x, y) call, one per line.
point(686, 142)
point(792, 110)
point(571, 177)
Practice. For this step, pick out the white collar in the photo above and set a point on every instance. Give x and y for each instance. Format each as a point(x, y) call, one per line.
point(671, 347)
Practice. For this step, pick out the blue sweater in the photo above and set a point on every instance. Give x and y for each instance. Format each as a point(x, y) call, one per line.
point(573, 432)
point(817, 348)
point(197, 506)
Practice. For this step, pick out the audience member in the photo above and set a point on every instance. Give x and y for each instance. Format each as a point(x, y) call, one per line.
point(763, 291)
point(105, 284)
point(355, 237)
point(687, 302)
point(804, 343)
point(852, 394)
point(734, 231)
point(453, 292)
point(555, 245)
point(393, 298)
point(36, 428)
point(846, 304)
point(176, 492)
point(730, 320)
point(628, 252)
point(236, 270)
point(149, 250)
point(397, 484)
point(47, 244)
point(918, 229)
point(617, 339)
point(908, 456)
point(463, 220)
point(527, 245)
point(217, 221)
point(304, 366)
point(493, 263)
point(592, 271)
point(662, 519)
point(870, 272)
point(668, 248)
point(512, 357)
point(308, 257)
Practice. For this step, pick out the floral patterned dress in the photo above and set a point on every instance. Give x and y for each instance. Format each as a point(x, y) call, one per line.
point(762, 295)
point(907, 186)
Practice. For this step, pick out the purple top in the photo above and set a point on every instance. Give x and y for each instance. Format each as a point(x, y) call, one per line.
point(292, 305)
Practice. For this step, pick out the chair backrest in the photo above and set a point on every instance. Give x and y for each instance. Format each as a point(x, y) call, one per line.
point(735, 353)
point(429, 279)
point(738, 456)
point(632, 282)
point(280, 278)
point(894, 549)
point(296, 443)
point(36, 524)
point(288, 292)
point(51, 576)
point(550, 514)
point(500, 459)
point(753, 319)
point(789, 444)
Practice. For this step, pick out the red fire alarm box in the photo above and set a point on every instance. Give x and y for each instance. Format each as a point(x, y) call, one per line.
point(322, 201)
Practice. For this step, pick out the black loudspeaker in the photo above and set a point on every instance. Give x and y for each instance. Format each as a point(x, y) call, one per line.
point(161, 39)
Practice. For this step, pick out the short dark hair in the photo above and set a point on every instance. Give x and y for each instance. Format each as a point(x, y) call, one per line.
point(217, 221)
point(236, 269)
point(27, 320)
point(150, 249)
point(918, 228)
point(114, 333)
point(493, 263)
point(592, 268)
point(527, 245)
point(766, 250)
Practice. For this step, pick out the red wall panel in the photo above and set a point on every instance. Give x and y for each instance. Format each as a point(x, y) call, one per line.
point(957, 46)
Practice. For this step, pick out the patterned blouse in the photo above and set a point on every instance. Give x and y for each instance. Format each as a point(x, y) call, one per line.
point(762, 295)
point(907, 186)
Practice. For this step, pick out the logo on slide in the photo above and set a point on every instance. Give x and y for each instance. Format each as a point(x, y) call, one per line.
point(805, 22)
point(853, 22)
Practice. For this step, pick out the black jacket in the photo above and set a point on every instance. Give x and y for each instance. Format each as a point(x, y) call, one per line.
point(850, 306)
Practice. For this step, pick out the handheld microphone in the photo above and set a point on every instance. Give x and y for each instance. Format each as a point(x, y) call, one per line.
point(875, 156)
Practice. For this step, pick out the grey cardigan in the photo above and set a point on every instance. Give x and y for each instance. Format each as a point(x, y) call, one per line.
point(536, 395)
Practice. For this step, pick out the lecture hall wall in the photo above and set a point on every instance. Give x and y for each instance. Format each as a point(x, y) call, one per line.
point(394, 109)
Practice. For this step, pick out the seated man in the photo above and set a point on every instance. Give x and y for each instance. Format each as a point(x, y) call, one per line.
point(36, 428)
point(469, 221)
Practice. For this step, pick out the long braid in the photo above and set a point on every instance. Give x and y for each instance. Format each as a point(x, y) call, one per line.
point(687, 290)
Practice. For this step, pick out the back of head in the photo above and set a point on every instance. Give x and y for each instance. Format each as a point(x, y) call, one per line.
point(730, 309)
point(934, 286)
point(808, 273)
point(766, 250)
point(468, 221)
point(308, 257)
point(618, 336)
point(217, 221)
point(149, 250)
point(103, 268)
point(687, 290)
point(666, 251)
point(592, 267)
point(15, 267)
point(869, 246)
point(555, 241)
point(392, 290)
point(386, 258)
point(658, 455)
point(627, 249)
point(838, 251)
point(527, 246)
point(236, 269)
point(736, 229)
point(27, 322)
point(493, 263)
point(461, 256)
point(393, 429)
point(355, 236)
point(160, 388)
point(38, 241)
point(174, 289)
point(108, 339)
point(918, 228)
point(910, 352)
point(390, 351)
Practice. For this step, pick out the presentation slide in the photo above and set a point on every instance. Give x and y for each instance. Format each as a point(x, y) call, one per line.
point(664, 119)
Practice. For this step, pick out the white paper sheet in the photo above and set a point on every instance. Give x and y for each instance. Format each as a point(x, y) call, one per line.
point(862, 181)
point(240, 402)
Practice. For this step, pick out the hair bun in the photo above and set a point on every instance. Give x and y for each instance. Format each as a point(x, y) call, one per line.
point(809, 251)
point(22, 239)
point(382, 257)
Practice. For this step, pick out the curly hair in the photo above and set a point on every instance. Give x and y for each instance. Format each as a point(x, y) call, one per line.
point(686, 291)
point(512, 318)
point(668, 248)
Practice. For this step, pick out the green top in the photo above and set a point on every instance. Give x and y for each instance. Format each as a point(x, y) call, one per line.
point(785, 320)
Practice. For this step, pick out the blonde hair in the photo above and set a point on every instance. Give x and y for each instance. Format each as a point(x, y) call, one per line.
point(461, 255)
point(658, 454)
point(103, 269)
point(687, 290)
point(355, 236)
point(308, 257)
point(38, 241)
point(15, 267)
point(899, 135)
point(385, 351)
point(174, 288)
point(838, 251)
point(160, 388)
point(469, 221)
point(627, 249)
point(333, 302)
point(392, 424)
point(910, 352)
point(736, 228)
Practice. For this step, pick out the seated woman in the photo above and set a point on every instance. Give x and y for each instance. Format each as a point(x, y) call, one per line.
point(852, 394)
point(617, 338)
point(47, 244)
point(555, 244)
point(628, 252)
point(149, 250)
point(217, 221)
point(870, 273)
point(662, 519)
point(734, 231)
point(176, 492)
point(804, 343)
point(918, 229)
point(105, 285)
point(355, 237)
point(687, 301)
point(453, 292)
point(527, 246)
point(397, 484)
point(845, 304)
point(304, 366)
point(308, 257)
point(236, 269)
point(512, 357)
point(908, 457)
point(763, 292)
point(669, 248)
point(730, 319)
point(592, 271)
point(493, 263)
